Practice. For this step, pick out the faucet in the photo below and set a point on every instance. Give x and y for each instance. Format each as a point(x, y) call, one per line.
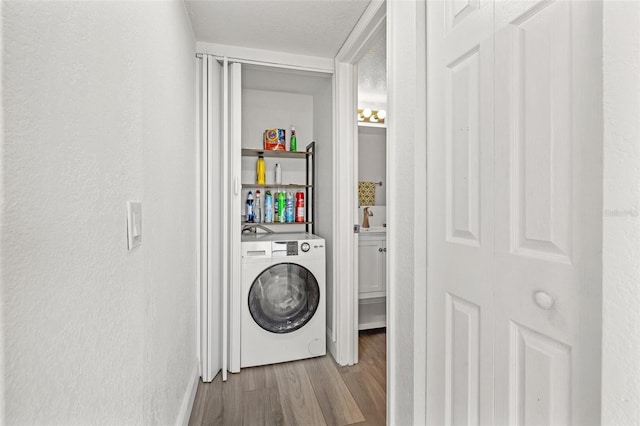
point(365, 220)
point(253, 229)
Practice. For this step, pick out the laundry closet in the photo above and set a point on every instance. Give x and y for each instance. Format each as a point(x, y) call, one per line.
point(288, 260)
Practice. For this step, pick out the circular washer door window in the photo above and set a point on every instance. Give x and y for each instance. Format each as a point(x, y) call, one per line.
point(284, 297)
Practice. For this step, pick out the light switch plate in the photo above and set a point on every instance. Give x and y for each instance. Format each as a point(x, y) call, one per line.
point(134, 223)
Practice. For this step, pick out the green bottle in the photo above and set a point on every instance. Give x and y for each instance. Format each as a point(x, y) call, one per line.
point(282, 205)
point(293, 145)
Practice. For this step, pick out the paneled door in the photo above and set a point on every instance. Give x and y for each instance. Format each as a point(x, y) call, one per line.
point(548, 205)
point(460, 204)
point(514, 158)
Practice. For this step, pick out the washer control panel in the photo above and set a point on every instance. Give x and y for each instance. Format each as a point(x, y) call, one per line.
point(286, 248)
point(292, 248)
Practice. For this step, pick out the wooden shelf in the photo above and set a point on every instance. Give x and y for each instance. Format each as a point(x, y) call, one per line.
point(253, 152)
point(290, 186)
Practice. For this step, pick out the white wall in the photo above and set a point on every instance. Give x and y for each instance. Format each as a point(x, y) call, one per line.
point(621, 221)
point(372, 159)
point(99, 109)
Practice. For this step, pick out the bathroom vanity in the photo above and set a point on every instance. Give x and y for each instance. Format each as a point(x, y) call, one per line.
point(372, 291)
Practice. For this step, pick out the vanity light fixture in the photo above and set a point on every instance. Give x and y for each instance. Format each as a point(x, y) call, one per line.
point(368, 115)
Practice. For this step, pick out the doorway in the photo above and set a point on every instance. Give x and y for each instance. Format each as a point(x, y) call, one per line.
point(370, 200)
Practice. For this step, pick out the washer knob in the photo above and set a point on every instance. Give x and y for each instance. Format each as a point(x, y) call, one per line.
point(305, 247)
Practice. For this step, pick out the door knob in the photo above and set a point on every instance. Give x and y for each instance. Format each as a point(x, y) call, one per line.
point(543, 300)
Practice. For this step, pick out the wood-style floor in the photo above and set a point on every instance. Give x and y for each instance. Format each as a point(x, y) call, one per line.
point(309, 392)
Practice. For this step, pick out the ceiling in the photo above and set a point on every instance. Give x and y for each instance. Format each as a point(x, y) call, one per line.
point(305, 27)
point(372, 74)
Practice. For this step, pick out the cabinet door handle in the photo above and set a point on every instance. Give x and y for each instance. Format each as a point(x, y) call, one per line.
point(380, 249)
point(384, 249)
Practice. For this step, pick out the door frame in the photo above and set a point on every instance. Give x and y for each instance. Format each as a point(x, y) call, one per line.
point(343, 339)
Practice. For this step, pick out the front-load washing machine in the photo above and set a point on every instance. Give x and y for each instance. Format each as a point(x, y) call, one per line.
point(283, 314)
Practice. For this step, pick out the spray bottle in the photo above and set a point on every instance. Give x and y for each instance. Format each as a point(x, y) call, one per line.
point(268, 207)
point(249, 212)
point(258, 209)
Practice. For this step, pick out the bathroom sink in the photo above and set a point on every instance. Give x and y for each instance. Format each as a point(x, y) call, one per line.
point(373, 229)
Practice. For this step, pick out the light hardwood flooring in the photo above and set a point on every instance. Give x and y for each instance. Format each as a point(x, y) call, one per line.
point(309, 392)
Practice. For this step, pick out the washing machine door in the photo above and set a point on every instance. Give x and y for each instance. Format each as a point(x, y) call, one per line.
point(284, 297)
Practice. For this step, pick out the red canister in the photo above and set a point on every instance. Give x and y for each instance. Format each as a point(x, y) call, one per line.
point(299, 206)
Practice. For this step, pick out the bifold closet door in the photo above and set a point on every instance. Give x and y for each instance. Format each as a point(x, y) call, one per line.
point(233, 225)
point(210, 307)
point(514, 155)
point(460, 212)
point(548, 268)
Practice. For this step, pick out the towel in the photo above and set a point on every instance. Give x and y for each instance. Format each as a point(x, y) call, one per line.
point(367, 193)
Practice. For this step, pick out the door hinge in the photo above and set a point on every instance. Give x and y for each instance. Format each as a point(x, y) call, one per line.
point(356, 229)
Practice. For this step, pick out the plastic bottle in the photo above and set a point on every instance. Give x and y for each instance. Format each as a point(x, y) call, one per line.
point(268, 207)
point(276, 207)
point(290, 208)
point(260, 171)
point(249, 213)
point(278, 174)
point(258, 209)
point(282, 207)
point(293, 145)
point(299, 206)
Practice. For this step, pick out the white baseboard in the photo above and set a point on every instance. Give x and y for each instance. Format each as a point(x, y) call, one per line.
point(189, 397)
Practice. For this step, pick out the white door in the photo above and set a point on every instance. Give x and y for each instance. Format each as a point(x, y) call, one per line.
point(210, 306)
point(233, 226)
point(548, 209)
point(514, 275)
point(460, 213)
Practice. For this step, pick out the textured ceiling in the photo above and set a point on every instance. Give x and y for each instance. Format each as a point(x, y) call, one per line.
point(306, 27)
point(372, 74)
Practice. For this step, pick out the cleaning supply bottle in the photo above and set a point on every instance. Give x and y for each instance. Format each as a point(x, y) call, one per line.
point(268, 207)
point(249, 212)
point(293, 144)
point(258, 209)
point(276, 207)
point(299, 206)
point(260, 171)
point(289, 207)
point(282, 207)
point(278, 175)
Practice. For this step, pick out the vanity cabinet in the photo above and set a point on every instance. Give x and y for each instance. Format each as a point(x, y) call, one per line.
point(372, 288)
point(372, 266)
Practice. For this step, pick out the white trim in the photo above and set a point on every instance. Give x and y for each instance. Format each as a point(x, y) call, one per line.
point(345, 302)
point(189, 397)
point(406, 192)
point(267, 57)
point(360, 37)
point(420, 226)
point(346, 171)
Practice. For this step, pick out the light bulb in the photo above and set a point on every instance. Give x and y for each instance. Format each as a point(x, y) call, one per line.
point(366, 113)
point(382, 114)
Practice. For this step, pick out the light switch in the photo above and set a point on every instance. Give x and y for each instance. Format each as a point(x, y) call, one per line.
point(134, 223)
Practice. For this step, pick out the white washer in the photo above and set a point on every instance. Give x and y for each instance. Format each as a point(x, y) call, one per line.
point(283, 315)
